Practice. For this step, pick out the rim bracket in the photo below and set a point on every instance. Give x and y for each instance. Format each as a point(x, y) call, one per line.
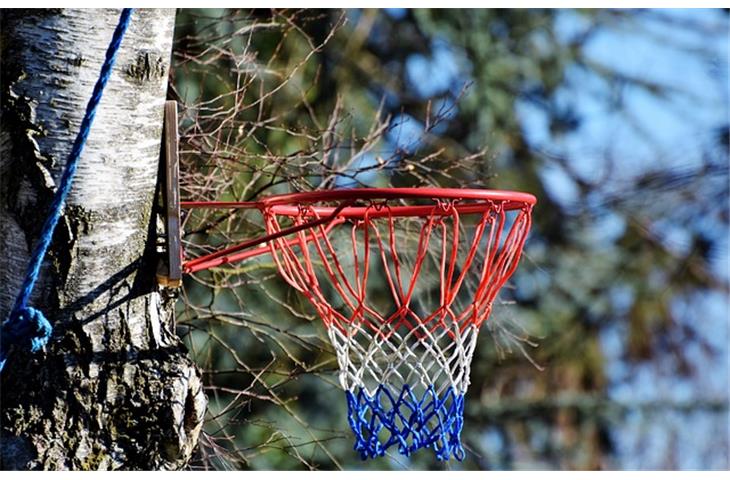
point(169, 269)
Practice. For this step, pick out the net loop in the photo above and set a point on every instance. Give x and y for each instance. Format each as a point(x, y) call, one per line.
point(378, 205)
point(445, 205)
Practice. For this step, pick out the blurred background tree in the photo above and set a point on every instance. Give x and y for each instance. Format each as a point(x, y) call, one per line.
point(616, 120)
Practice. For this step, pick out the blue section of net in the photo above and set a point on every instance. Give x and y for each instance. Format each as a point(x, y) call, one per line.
point(406, 420)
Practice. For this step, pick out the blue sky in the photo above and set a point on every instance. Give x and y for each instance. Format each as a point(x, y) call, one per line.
point(673, 132)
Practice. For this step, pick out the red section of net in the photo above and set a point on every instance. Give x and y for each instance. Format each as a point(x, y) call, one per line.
point(312, 264)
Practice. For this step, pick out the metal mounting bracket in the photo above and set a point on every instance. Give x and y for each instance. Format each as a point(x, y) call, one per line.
point(169, 272)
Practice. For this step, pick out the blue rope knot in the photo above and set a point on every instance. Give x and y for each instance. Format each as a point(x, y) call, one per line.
point(27, 324)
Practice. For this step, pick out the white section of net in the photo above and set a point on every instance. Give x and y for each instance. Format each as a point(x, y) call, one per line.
point(418, 357)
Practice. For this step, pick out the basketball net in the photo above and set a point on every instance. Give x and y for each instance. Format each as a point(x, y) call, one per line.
point(403, 299)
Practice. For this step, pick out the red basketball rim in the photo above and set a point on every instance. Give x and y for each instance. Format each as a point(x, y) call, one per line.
point(290, 204)
point(445, 201)
point(514, 200)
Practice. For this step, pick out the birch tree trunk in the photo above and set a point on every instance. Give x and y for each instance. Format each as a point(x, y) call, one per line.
point(114, 387)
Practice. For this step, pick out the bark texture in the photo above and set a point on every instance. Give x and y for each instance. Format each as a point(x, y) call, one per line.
point(115, 387)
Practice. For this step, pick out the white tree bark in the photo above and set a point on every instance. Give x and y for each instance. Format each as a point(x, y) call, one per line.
point(115, 388)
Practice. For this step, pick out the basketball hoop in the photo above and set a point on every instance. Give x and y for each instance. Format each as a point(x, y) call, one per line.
point(404, 337)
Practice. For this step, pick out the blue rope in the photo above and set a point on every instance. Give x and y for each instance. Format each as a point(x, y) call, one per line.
point(26, 323)
point(384, 419)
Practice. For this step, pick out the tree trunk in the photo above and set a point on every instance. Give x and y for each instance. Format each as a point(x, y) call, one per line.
point(114, 387)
